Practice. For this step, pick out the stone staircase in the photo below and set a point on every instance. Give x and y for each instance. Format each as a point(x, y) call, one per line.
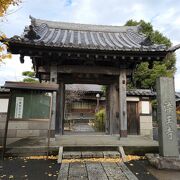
point(91, 163)
point(90, 152)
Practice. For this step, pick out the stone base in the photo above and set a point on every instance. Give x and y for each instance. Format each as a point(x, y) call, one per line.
point(52, 133)
point(123, 133)
point(163, 162)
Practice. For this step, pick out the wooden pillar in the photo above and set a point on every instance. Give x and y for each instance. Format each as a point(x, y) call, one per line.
point(60, 106)
point(114, 109)
point(107, 130)
point(6, 125)
point(53, 79)
point(122, 103)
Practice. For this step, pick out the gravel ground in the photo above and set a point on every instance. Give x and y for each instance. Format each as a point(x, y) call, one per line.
point(19, 168)
point(140, 170)
point(144, 171)
point(25, 169)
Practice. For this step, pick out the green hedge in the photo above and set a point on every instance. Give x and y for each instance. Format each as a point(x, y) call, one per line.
point(99, 122)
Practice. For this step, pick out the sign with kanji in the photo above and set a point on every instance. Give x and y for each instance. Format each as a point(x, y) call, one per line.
point(19, 107)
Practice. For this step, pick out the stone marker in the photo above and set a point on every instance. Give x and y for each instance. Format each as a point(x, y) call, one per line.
point(168, 145)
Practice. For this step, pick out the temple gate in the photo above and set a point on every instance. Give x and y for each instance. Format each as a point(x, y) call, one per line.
point(68, 53)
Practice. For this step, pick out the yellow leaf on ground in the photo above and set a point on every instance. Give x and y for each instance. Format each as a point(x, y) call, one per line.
point(11, 177)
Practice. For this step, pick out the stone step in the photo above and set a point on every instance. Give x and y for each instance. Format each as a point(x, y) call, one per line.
point(90, 148)
point(90, 154)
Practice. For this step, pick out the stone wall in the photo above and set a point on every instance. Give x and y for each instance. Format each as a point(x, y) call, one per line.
point(146, 125)
point(22, 129)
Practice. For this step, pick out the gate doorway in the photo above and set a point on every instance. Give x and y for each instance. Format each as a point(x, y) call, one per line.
point(133, 118)
point(84, 109)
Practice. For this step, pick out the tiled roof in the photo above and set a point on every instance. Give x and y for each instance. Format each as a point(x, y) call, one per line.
point(33, 86)
point(97, 88)
point(177, 99)
point(3, 90)
point(178, 95)
point(86, 36)
point(83, 87)
point(141, 92)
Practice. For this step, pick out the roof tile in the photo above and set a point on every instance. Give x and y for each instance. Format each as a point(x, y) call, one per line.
point(61, 34)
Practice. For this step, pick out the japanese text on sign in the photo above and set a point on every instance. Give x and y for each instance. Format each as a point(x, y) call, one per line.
point(19, 107)
point(168, 108)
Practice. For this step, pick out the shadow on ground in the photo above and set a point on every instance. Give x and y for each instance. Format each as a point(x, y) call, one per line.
point(144, 171)
point(22, 168)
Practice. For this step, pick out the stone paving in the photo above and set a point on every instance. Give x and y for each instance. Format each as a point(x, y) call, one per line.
point(94, 165)
point(104, 140)
point(95, 171)
point(82, 127)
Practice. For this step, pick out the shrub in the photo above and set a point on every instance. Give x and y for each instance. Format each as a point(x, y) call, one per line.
point(99, 122)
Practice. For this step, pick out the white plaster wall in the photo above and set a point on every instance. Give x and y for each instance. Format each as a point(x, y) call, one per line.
point(146, 127)
point(3, 105)
point(132, 98)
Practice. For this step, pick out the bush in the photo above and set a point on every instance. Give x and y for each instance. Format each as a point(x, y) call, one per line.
point(99, 122)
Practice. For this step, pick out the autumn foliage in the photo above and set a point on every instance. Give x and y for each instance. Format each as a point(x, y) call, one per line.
point(3, 49)
point(4, 4)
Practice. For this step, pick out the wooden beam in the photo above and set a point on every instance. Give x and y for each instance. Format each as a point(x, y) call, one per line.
point(87, 69)
point(157, 58)
point(123, 57)
point(114, 57)
point(43, 69)
point(45, 77)
point(75, 79)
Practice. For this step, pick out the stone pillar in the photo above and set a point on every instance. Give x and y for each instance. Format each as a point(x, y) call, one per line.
point(122, 103)
point(53, 79)
point(168, 145)
point(114, 109)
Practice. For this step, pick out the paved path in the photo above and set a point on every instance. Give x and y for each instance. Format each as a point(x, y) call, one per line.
point(82, 127)
point(95, 171)
point(105, 140)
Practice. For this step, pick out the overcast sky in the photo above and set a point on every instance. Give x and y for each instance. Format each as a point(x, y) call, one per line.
point(163, 14)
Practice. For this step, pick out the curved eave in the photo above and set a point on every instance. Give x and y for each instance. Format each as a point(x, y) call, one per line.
point(174, 48)
point(14, 45)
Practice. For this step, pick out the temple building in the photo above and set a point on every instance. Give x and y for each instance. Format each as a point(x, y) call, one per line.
point(69, 53)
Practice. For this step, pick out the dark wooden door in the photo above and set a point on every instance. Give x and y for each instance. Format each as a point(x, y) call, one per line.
point(133, 118)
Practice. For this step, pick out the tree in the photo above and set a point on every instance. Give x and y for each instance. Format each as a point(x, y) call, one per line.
point(29, 77)
point(144, 76)
point(4, 4)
